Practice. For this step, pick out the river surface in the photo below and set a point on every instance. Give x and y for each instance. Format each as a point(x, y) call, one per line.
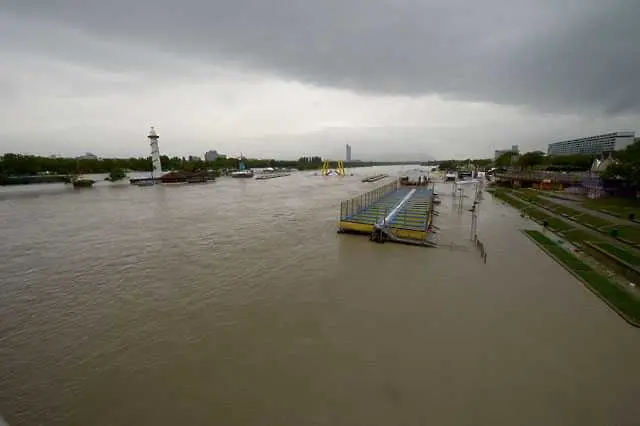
point(237, 303)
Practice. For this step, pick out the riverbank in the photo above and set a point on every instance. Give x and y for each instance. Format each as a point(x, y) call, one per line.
point(597, 255)
point(29, 180)
point(627, 233)
point(559, 221)
point(620, 301)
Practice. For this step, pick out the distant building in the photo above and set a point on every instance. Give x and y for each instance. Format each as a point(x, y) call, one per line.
point(514, 149)
point(87, 156)
point(211, 155)
point(348, 153)
point(593, 145)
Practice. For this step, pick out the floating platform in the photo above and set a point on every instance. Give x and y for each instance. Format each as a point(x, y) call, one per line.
point(391, 213)
point(375, 178)
point(274, 175)
point(176, 177)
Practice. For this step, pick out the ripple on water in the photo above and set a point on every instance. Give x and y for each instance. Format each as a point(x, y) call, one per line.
point(237, 303)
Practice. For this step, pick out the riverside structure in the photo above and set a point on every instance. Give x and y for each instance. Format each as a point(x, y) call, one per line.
point(391, 213)
point(592, 145)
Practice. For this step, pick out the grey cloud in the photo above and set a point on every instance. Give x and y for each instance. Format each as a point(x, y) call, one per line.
point(546, 54)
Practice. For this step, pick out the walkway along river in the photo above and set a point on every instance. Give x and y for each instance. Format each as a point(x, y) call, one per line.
point(236, 303)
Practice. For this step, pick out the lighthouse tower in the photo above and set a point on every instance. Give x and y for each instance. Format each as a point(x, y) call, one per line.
point(155, 153)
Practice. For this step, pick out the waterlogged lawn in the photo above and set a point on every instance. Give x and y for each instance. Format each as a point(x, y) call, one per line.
point(619, 206)
point(622, 301)
point(620, 253)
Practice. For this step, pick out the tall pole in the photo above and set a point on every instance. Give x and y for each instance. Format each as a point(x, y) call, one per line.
point(474, 224)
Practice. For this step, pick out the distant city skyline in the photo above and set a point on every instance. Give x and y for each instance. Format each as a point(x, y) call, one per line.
point(316, 147)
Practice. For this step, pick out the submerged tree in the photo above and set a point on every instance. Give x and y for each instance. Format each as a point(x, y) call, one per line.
point(116, 174)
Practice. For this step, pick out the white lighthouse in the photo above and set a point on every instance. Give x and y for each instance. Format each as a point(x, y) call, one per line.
point(155, 154)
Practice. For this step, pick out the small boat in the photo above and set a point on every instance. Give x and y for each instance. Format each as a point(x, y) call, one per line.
point(143, 181)
point(83, 183)
point(242, 174)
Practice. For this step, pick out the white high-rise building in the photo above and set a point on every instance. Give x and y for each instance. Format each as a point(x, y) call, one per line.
point(348, 153)
point(155, 153)
point(593, 145)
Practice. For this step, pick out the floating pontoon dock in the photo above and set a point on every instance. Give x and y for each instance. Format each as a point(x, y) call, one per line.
point(375, 178)
point(391, 213)
point(272, 175)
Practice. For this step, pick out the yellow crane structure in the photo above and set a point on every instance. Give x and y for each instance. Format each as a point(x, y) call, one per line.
point(328, 171)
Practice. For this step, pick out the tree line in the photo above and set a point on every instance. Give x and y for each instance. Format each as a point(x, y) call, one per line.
point(529, 160)
point(29, 165)
point(538, 159)
point(625, 171)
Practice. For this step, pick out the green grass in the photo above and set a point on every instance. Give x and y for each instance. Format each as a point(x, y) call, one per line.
point(622, 254)
point(623, 302)
point(554, 223)
point(514, 202)
point(575, 235)
point(619, 206)
point(594, 221)
point(630, 233)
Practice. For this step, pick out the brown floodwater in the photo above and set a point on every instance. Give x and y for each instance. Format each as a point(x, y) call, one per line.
point(237, 303)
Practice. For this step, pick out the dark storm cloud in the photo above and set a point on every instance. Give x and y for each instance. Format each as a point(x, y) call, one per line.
point(548, 54)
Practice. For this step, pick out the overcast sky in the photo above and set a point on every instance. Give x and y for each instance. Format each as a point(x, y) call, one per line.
point(285, 78)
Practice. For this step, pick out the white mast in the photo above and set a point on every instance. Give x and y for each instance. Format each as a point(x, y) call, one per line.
point(155, 153)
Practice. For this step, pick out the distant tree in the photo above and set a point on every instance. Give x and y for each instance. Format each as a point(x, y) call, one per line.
point(448, 165)
point(627, 167)
point(483, 162)
point(575, 162)
point(116, 174)
point(505, 160)
point(21, 165)
point(531, 159)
